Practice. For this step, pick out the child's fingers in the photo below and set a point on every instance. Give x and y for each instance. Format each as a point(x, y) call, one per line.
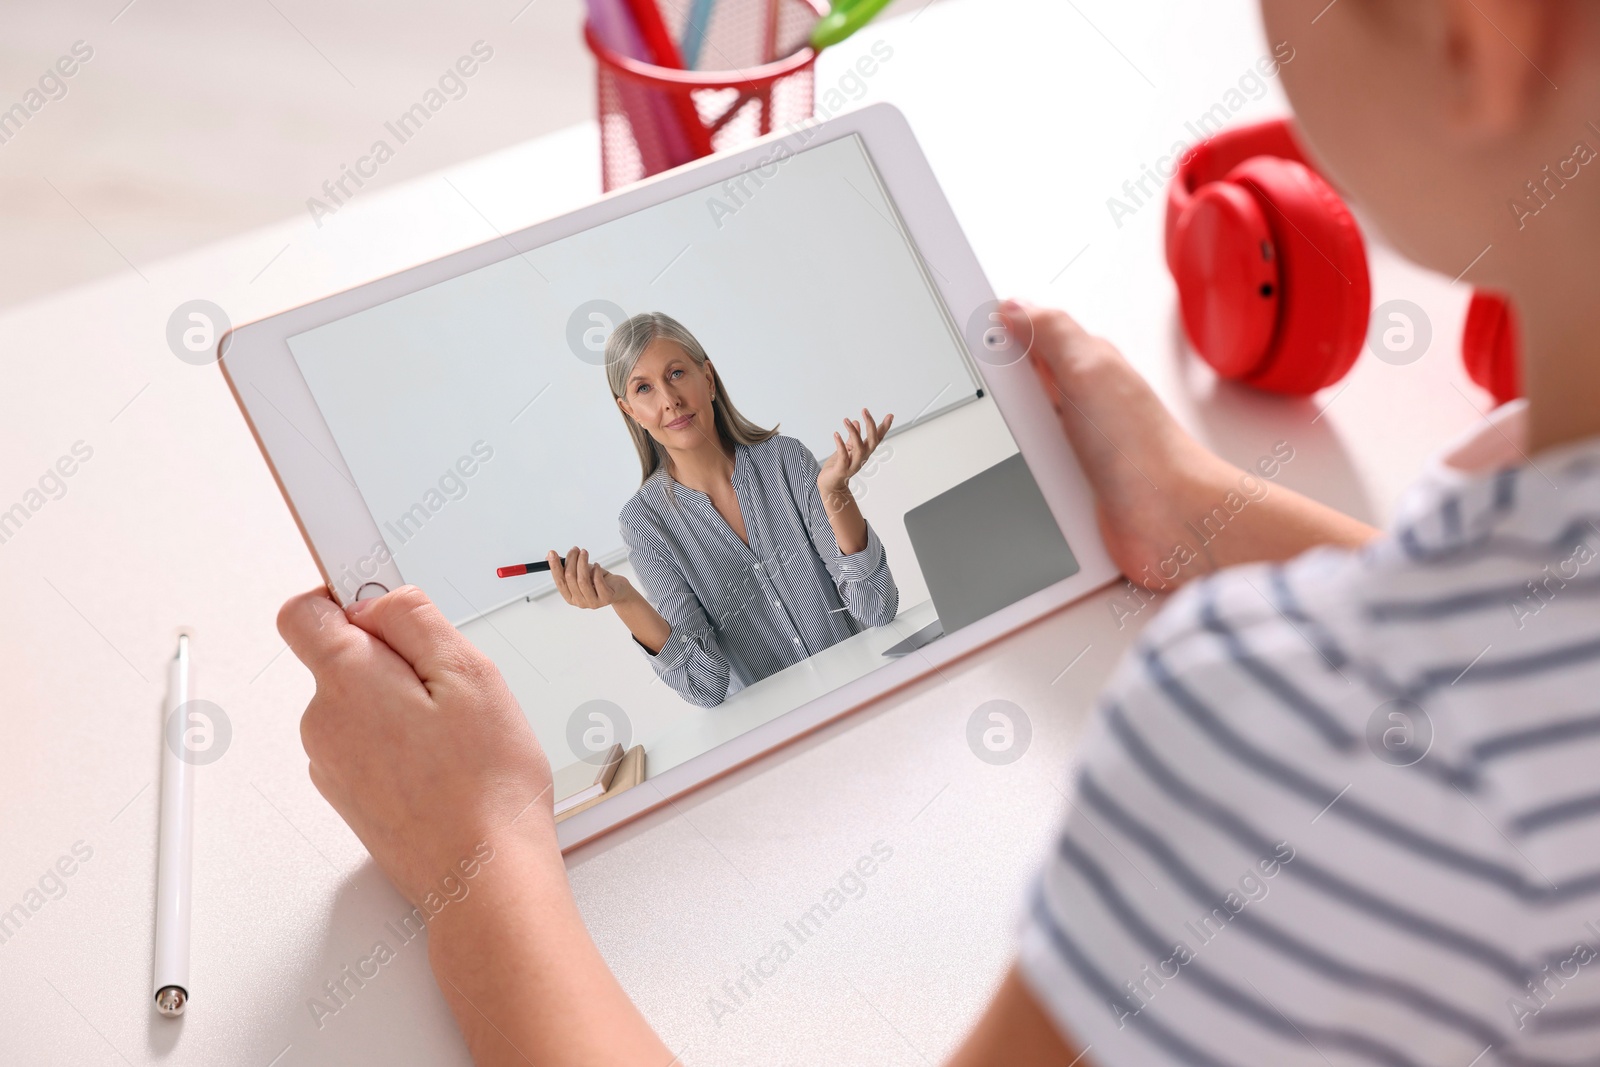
point(317, 630)
point(408, 622)
point(1052, 335)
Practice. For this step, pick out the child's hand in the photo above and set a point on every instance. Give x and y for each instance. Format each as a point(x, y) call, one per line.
point(413, 736)
point(1148, 475)
point(1151, 480)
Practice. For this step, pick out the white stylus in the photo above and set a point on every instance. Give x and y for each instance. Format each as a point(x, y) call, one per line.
point(177, 847)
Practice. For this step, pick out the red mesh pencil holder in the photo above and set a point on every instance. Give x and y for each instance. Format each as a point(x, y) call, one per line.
point(653, 118)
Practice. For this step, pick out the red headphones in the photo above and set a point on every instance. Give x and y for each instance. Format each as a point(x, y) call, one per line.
point(1272, 271)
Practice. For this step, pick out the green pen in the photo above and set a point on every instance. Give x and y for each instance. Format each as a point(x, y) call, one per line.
point(843, 19)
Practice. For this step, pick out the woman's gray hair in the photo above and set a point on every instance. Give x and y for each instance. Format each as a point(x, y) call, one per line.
point(623, 349)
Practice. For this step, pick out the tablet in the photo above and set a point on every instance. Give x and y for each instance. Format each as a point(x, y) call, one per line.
point(446, 425)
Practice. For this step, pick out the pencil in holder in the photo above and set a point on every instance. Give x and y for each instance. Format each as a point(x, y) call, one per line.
point(754, 73)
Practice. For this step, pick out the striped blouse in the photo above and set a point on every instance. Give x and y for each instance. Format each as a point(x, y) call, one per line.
point(1346, 810)
point(741, 612)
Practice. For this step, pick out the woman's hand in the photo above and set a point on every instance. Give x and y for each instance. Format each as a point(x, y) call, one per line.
point(414, 738)
point(588, 585)
point(1150, 478)
point(849, 456)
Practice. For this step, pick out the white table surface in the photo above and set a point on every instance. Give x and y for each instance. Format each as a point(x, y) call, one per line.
point(1033, 112)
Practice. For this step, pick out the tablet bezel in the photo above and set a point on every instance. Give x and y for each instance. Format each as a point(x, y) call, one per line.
point(344, 539)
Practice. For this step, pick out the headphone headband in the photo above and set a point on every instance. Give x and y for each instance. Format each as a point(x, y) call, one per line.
point(1310, 336)
point(1213, 158)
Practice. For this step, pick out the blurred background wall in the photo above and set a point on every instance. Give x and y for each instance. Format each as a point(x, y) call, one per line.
point(196, 119)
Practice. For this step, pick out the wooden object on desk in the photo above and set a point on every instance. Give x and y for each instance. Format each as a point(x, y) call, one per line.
point(630, 772)
point(585, 780)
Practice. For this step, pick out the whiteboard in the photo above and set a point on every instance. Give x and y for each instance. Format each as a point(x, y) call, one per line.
point(799, 281)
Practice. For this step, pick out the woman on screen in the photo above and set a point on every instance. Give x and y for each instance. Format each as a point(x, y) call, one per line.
point(752, 555)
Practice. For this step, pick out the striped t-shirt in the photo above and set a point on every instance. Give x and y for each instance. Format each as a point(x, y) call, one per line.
point(1346, 810)
point(741, 612)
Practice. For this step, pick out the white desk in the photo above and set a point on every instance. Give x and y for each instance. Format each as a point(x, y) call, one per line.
point(1032, 118)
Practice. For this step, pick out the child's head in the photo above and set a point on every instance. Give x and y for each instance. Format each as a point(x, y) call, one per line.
point(1434, 115)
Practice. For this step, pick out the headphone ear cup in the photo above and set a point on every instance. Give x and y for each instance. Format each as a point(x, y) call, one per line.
point(1326, 297)
point(1489, 346)
point(1227, 278)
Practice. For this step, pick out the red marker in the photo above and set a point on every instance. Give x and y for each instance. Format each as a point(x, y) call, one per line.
point(521, 568)
point(664, 52)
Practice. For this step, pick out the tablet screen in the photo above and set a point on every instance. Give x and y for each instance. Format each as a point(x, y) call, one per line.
point(524, 407)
